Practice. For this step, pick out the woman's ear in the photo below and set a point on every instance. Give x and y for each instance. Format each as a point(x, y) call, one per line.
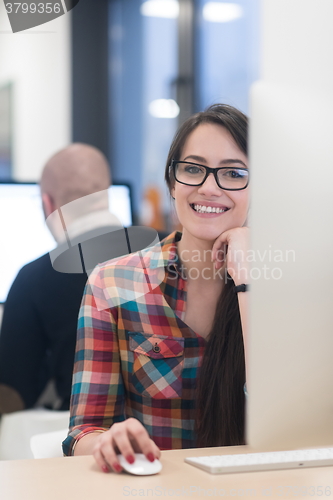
point(172, 192)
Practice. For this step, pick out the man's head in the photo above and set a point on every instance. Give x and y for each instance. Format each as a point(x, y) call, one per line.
point(75, 173)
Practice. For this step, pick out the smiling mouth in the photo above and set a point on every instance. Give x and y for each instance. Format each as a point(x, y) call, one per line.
point(203, 209)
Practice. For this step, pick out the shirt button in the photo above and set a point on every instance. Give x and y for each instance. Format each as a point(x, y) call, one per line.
point(156, 348)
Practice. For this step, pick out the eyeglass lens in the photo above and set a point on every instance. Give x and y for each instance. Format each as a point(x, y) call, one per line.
point(228, 177)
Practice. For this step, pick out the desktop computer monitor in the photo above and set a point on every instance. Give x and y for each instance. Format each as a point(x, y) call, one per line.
point(290, 359)
point(24, 234)
point(289, 406)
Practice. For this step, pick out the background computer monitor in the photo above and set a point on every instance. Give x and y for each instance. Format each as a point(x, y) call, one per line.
point(24, 234)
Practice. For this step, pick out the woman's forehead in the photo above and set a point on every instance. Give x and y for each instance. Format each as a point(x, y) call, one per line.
point(211, 139)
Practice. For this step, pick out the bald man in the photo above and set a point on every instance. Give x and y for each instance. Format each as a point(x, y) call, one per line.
point(38, 333)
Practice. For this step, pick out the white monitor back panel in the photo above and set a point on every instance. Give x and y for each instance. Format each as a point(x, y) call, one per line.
point(291, 335)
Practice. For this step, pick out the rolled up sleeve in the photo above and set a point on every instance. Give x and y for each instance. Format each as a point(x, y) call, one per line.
point(98, 393)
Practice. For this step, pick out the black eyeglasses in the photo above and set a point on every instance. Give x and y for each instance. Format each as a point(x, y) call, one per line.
point(193, 174)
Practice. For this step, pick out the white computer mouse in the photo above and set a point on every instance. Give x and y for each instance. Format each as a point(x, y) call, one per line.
point(141, 466)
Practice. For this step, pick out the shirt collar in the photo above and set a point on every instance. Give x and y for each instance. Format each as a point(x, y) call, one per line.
point(166, 256)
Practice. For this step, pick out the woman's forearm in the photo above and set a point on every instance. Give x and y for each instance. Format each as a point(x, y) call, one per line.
point(243, 301)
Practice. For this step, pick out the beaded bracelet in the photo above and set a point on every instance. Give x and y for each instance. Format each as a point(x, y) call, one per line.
point(89, 430)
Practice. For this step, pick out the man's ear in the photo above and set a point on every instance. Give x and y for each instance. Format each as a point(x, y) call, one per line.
point(48, 205)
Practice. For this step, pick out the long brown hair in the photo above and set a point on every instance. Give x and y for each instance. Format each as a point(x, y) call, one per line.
point(220, 396)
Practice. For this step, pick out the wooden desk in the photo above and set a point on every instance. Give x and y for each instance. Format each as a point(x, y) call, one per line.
point(78, 478)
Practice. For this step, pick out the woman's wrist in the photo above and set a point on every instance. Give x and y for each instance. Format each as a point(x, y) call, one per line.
point(241, 288)
point(84, 448)
point(241, 276)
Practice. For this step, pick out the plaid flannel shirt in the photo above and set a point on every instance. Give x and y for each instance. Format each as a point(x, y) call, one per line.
point(135, 356)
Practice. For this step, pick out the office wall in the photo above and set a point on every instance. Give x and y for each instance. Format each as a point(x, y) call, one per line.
point(90, 74)
point(37, 62)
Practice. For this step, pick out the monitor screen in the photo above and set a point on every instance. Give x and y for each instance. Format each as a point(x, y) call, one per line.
point(24, 234)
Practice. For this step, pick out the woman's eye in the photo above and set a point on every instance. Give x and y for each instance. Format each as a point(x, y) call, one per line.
point(234, 174)
point(193, 170)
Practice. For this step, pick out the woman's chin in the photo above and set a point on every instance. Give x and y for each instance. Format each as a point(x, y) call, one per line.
point(206, 235)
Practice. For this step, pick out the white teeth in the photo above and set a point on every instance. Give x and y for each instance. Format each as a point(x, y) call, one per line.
point(203, 209)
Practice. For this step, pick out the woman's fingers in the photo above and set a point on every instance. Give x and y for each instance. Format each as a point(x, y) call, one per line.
point(231, 248)
point(220, 257)
point(141, 437)
point(157, 450)
point(219, 250)
point(126, 438)
point(106, 457)
point(121, 440)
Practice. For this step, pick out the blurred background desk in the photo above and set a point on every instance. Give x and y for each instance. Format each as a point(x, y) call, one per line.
point(78, 478)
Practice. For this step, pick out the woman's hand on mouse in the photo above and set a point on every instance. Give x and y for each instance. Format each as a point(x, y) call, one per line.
point(231, 249)
point(127, 437)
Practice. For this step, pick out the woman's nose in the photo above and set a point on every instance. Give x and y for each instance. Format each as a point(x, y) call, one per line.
point(210, 186)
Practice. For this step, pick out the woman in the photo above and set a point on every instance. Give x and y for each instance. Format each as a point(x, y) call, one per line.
point(136, 385)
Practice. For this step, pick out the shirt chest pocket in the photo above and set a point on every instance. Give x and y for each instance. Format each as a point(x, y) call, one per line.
point(157, 365)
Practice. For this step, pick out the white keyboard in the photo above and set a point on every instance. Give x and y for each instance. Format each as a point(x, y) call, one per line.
point(273, 460)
